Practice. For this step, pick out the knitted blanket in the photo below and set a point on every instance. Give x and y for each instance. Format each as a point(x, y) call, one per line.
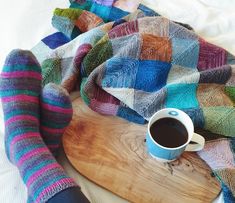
point(134, 64)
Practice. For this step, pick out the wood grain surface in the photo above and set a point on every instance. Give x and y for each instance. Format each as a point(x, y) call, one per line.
point(111, 152)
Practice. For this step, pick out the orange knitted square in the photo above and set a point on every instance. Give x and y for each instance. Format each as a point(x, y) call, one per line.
point(155, 48)
point(87, 21)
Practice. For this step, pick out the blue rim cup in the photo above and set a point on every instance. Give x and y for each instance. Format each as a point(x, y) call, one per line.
point(167, 154)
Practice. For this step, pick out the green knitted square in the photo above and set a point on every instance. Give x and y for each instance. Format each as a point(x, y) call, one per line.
point(220, 120)
point(101, 52)
point(51, 71)
point(230, 91)
point(70, 13)
point(85, 98)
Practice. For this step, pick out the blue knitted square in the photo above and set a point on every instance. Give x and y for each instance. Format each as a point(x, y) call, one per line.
point(182, 96)
point(130, 115)
point(120, 72)
point(117, 13)
point(185, 52)
point(151, 75)
point(196, 114)
point(147, 11)
point(55, 40)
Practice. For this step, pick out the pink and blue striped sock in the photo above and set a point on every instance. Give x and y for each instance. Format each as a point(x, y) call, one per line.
point(20, 86)
point(56, 114)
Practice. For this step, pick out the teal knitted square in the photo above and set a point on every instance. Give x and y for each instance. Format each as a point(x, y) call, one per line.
point(101, 11)
point(182, 96)
point(63, 24)
point(84, 6)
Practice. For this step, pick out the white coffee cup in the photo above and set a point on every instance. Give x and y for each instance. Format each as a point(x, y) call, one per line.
point(167, 154)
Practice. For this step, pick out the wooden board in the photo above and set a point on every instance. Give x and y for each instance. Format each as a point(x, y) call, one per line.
point(111, 152)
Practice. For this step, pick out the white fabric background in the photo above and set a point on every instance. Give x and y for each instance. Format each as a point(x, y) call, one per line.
point(24, 23)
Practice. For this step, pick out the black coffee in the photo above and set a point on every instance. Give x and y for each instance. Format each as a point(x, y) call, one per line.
point(169, 132)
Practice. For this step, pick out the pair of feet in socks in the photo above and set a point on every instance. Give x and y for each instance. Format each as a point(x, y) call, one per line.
point(35, 120)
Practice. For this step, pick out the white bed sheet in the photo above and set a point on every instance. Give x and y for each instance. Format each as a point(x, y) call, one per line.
point(24, 23)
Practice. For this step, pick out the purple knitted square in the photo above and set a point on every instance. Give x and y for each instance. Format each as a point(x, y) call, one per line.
point(210, 56)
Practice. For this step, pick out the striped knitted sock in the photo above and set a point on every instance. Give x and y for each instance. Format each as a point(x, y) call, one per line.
point(20, 85)
point(56, 113)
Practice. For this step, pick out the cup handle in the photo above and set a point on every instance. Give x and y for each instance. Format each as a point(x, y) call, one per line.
point(200, 142)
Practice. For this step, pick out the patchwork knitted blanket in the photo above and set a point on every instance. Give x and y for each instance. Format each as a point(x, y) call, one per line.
point(133, 64)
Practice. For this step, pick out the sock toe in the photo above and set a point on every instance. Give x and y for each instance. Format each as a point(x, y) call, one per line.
point(58, 93)
point(56, 114)
point(20, 57)
point(21, 74)
point(56, 100)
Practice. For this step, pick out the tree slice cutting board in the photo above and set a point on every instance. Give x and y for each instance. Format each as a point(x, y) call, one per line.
point(111, 152)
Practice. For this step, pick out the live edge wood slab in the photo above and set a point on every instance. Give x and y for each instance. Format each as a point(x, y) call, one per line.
point(111, 152)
